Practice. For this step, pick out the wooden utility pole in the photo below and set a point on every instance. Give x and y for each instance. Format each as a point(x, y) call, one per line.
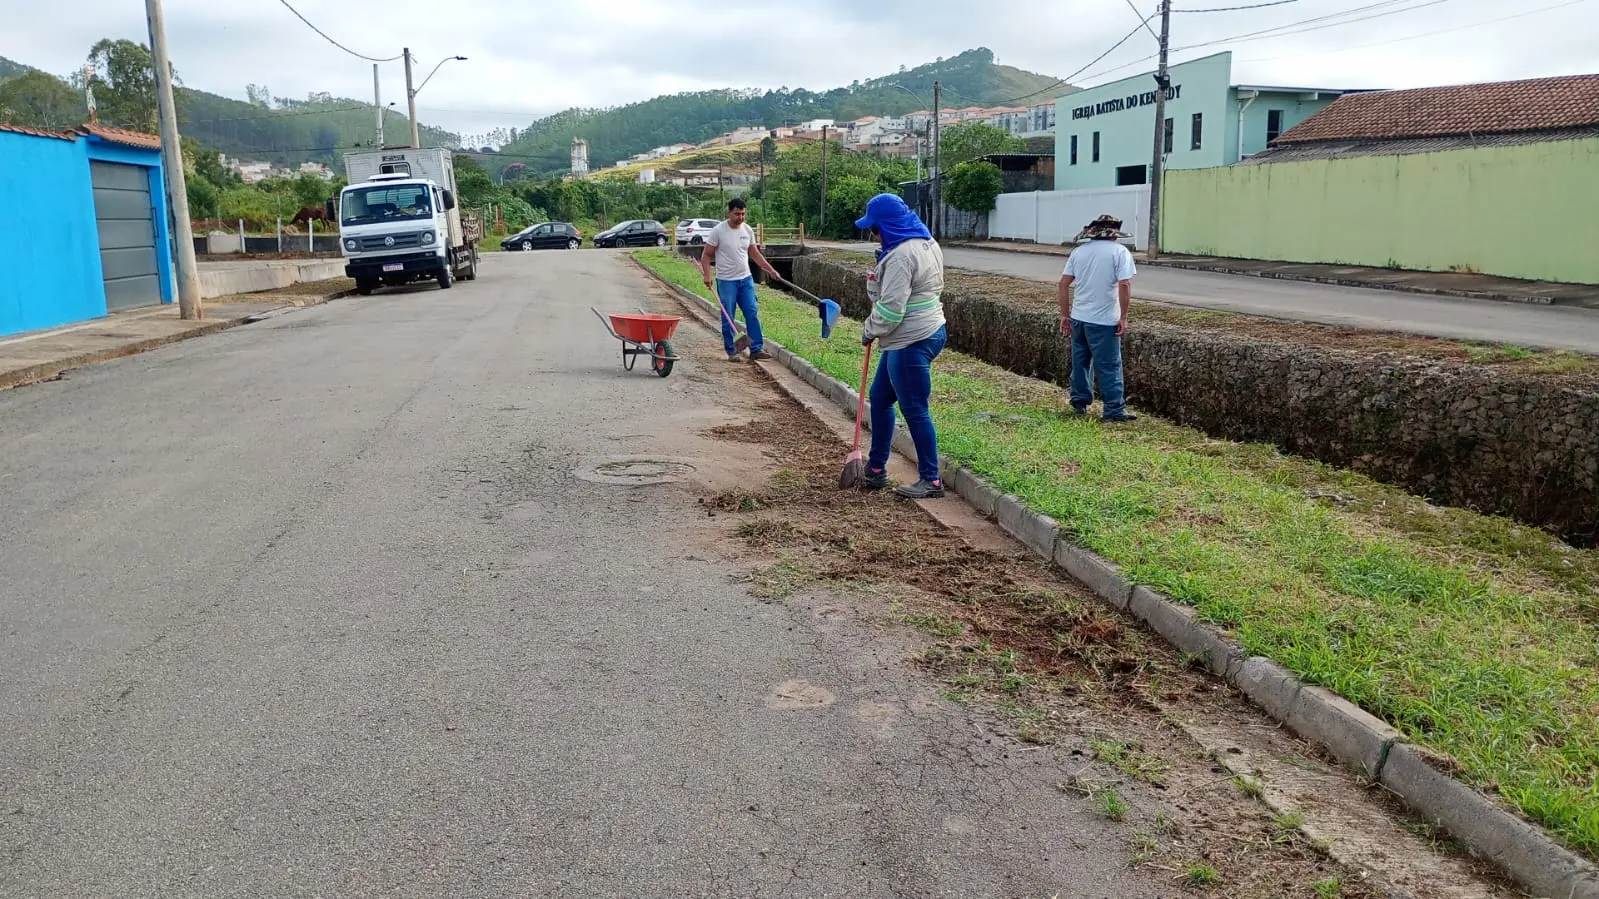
point(188, 272)
point(824, 178)
point(410, 96)
point(1157, 166)
point(938, 191)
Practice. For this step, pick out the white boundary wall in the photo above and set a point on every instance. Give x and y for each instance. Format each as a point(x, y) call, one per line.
point(1057, 216)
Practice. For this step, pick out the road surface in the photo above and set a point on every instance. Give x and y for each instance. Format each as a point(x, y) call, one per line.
point(1550, 327)
point(348, 603)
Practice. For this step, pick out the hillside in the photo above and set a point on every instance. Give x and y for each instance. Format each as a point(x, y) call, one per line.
point(9, 69)
point(291, 132)
point(970, 79)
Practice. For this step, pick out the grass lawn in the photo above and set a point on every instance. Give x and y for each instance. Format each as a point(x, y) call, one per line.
point(1475, 636)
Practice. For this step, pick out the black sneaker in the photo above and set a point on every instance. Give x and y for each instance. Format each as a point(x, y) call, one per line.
point(760, 356)
point(1125, 416)
point(921, 490)
point(875, 480)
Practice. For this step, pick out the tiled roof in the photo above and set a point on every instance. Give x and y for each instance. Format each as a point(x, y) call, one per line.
point(34, 132)
point(124, 137)
point(1500, 107)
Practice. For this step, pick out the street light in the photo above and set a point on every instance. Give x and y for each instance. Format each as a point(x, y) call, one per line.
point(410, 93)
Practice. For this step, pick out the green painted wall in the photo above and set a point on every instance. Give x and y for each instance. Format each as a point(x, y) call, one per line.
point(1520, 212)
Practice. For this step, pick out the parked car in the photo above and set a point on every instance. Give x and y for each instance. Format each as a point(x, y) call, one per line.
point(633, 233)
point(693, 231)
point(545, 236)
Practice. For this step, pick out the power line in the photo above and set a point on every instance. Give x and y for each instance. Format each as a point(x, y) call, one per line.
point(1238, 8)
point(331, 40)
point(1283, 30)
point(1113, 48)
point(1134, 8)
point(1424, 34)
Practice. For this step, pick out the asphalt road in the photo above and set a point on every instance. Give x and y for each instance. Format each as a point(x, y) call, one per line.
point(1550, 327)
point(343, 604)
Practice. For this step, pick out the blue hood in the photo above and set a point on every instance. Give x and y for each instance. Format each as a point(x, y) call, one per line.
point(894, 220)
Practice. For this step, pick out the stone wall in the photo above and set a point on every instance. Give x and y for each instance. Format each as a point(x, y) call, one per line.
point(1474, 436)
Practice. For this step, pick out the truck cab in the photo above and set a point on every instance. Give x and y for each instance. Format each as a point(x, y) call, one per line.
point(397, 227)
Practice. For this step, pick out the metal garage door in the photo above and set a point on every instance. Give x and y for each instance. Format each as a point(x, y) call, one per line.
point(126, 218)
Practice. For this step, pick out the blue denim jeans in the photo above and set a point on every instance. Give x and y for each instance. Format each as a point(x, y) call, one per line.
point(905, 377)
point(1097, 346)
point(737, 295)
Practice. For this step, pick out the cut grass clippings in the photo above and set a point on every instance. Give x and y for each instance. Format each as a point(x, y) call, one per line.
point(1476, 637)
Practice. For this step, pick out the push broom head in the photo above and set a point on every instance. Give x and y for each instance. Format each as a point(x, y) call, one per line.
point(854, 472)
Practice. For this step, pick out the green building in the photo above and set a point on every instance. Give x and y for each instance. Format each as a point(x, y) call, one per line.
point(1104, 136)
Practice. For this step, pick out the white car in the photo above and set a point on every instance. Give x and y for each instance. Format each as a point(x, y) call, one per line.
point(693, 231)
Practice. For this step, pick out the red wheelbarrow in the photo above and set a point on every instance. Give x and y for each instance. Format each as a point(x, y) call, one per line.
point(643, 334)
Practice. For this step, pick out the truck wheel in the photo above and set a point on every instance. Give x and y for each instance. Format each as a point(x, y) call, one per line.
point(471, 265)
point(365, 288)
point(446, 278)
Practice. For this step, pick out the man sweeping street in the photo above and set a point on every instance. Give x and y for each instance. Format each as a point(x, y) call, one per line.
point(731, 246)
point(1096, 290)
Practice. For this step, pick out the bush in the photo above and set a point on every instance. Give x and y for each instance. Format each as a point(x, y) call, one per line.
point(974, 186)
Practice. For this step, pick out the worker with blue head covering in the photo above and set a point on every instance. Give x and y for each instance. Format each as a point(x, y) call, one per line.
point(907, 323)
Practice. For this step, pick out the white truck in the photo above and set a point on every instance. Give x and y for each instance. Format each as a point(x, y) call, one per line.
point(400, 221)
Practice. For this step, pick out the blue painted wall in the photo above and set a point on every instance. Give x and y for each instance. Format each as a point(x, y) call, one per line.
point(151, 159)
point(48, 239)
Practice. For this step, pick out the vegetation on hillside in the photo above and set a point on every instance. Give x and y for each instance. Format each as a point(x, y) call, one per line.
point(970, 79)
point(278, 130)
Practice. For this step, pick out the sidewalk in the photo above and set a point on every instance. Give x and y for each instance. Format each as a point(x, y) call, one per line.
point(43, 355)
point(1454, 284)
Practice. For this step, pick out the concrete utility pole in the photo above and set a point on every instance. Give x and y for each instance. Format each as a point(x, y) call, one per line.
point(1157, 166)
point(824, 176)
point(410, 96)
point(172, 164)
point(377, 103)
point(938, 191)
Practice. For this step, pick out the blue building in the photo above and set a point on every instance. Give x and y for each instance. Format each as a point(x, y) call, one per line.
point(87, 229)
point(1105, 135)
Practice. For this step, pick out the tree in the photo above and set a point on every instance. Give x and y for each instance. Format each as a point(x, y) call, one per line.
point(971, 140)
point(973, 186)
point(259, 94)
point(38, 100)
point(123, 81)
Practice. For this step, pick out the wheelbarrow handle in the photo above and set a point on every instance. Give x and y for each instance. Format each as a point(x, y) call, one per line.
point(605, 321)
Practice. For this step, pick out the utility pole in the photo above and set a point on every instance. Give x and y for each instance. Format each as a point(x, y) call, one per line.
point(172, 166)
point(824, 177)
point(1157, 165)
point(377, 103)
point(410, 96)
point(938, 191)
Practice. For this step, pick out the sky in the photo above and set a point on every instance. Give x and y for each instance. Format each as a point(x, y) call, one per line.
point(527, 58)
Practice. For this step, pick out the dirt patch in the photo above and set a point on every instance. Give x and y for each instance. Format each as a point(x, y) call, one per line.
point(1053, 666)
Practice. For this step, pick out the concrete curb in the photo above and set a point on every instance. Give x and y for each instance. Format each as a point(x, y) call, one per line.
point(1360, 741)
point(46, 371)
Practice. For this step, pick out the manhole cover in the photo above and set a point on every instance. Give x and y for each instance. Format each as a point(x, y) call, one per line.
point(636, 471)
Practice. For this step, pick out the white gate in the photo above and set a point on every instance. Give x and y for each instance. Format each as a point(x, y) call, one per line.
point(1056, 216)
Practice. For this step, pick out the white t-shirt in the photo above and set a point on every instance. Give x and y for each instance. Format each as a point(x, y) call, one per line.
point(732, 250)
point(1097, 266)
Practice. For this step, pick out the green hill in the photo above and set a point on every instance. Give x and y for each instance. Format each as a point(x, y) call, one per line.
point(970, 79)
point(9, 69)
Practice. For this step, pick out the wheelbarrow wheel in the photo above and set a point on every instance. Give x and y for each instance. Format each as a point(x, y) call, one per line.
point(663, 367)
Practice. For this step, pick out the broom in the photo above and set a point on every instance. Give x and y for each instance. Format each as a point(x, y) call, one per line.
point(827, 310)
point(854, 465)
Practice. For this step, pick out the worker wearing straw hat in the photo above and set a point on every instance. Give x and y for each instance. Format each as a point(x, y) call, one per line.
point(1095, 291)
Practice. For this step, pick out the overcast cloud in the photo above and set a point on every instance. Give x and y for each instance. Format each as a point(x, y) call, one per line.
point(531, 57)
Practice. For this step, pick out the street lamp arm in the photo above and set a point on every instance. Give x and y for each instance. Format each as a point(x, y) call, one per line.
point(435, 72)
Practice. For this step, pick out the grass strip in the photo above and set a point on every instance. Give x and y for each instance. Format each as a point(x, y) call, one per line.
point(1476, 637)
